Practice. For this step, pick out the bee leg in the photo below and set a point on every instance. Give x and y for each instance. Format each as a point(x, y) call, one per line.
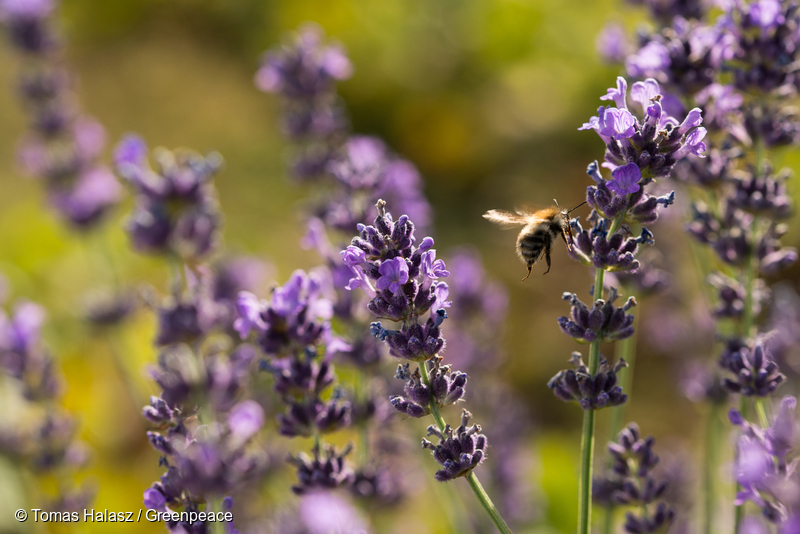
point(530, 266)
point(568, 242)
point(547, 258)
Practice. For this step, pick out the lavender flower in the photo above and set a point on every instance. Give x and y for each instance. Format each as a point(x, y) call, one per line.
point(296, 316)
point(304, 72)
point(385, 253)
point(761, 467)
point(754, 371)
point(604, 322)
point(459, 451)
point(176, 209)
point(326, 469)
point(632, 482)
point(445, 388)
point(654, 143)
point(591, 392)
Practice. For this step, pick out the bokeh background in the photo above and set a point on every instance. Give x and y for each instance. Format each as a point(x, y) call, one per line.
point(484, 96)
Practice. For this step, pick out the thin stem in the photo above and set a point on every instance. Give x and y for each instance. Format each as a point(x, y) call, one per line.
point(487, 503)
point(713, 431)
point(472, 478)
point(587, 437)
point(608, 524)
point(762, 413)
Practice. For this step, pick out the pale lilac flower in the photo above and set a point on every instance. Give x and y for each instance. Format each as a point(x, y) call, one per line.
point(394, 273)
point(644, 92)
point(433, 268)
point(618, 94)
point(248, 308)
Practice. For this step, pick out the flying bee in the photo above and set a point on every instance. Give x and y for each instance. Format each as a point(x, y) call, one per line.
point(540, 229)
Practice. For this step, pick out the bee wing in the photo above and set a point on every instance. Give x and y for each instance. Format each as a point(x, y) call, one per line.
point(505, 218)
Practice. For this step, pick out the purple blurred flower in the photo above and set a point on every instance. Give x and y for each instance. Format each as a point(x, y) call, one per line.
point(612, 43)
point(649, 62)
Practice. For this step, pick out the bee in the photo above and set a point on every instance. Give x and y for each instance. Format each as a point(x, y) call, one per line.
point(540, 229)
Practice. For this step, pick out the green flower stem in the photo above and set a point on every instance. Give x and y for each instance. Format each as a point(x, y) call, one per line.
point(608, 523)
point(762, 414)
point(713, 434)
point(474, 483)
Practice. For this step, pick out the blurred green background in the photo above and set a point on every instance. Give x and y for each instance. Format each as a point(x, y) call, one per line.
point(485, 97)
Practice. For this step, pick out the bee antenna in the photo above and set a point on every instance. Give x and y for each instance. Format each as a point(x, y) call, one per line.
point(576, 207)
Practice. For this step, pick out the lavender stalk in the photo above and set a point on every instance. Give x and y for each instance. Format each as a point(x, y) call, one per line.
point(403, 281)
point(638, 151)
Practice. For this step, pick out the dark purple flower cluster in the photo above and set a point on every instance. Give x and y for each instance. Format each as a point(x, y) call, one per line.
point(766, 479)
point(364, 171)
point(188, 379)
point(653, 144)
point(735, 237)
point(326, 469)
point(592, 392)
point(622, 194)
point(766, 39)
point(459, 451)
point(403, 281)
point(731, 295)
point(296, 316)
point(685, 55)
point(604, 322)
point(301, 381)
point(614, 253)
point(293, 329)
point(190, 315)
point(761, 193)
point(63, 145)
point(201, 460)
point(445, 388)
point(755, 373)
point(175, 210)
point(632, 483)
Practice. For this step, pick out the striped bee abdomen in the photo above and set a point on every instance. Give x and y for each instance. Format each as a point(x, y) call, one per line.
point(530, 245)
